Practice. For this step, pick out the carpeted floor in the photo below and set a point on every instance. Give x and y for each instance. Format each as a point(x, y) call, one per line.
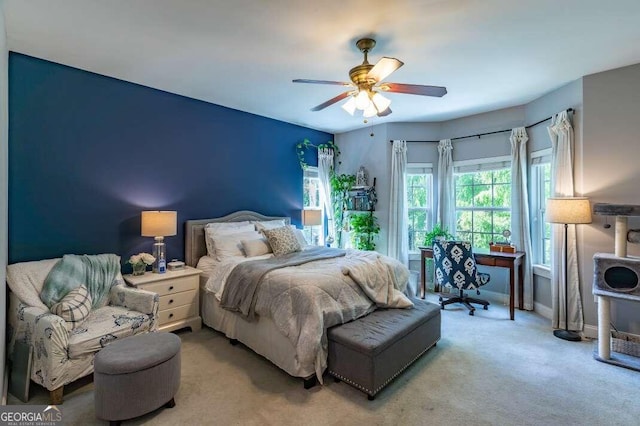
point(486, 370)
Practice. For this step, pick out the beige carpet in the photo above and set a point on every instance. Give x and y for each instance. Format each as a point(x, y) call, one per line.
point(486, 370)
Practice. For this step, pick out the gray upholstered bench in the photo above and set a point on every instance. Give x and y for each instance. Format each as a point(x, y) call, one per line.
point(371, 351)
point(136, 375)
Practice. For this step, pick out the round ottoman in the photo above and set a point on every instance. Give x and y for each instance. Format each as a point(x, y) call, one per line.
point(136, 375)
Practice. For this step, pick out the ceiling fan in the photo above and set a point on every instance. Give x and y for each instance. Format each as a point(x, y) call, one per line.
point(366, 85)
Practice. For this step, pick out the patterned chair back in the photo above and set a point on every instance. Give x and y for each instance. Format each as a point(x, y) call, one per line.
point(455, 265)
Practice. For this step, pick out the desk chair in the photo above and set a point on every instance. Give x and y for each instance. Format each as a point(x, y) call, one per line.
point(456, 267)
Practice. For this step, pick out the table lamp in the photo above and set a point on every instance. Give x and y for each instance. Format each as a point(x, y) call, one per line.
point(312, 218)
point(567, 210)
point(159, 224)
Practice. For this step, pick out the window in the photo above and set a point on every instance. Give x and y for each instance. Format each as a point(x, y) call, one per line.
point(311, 200)
point(419, 203)
point(483, 200)
point(540, 191)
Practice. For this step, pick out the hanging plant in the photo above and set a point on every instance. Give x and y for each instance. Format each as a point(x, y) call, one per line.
point(306, 144)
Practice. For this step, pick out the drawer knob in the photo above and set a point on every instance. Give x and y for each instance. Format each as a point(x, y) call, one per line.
point(170, 315)
point(170, 287)
point(171, 301)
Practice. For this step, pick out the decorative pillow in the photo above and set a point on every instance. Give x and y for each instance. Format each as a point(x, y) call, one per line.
point(231, 244)
point(213, 230)
point(269, 224)
point(256, 247)
point(282, 240)
point(74, 308)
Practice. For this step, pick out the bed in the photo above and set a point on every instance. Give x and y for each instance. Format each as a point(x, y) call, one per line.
point(300, 355)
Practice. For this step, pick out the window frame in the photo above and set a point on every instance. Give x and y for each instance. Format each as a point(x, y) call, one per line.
point(427, 170)
point(538, 204)
point(476, 166)
point(311, 172)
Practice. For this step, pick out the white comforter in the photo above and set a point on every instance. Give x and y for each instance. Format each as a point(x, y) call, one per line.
point(303, 301)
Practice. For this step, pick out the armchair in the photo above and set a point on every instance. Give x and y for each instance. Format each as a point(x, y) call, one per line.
point(455, 266)
point(61, 356)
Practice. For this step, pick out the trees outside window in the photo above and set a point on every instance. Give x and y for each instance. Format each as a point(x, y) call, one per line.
point(311, 200)
point(483, 205)
point(419, 204)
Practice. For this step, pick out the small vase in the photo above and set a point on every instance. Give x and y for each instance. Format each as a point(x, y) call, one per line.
point(139, 268)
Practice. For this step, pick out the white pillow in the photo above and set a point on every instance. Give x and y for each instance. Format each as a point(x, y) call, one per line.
point(231, 244)
point(269, 224)
point(256, 247)
point(214, 230)
point(300, 236)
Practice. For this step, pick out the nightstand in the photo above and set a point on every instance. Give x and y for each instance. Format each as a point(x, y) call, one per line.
point(179, 296)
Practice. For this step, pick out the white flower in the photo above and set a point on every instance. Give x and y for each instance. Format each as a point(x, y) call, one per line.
point(147, 258)
point(141, 258)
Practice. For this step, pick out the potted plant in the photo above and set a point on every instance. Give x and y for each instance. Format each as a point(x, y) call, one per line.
point(436, 232)
point(364, 229)
point(140, 261)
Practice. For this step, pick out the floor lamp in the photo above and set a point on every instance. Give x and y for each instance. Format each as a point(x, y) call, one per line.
point(567, 210)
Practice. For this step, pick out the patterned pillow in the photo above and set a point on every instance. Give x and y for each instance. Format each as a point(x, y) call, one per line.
point(74, 308)
point(282, 240)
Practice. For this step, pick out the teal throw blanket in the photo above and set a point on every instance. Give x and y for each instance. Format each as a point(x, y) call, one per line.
point(96, 272)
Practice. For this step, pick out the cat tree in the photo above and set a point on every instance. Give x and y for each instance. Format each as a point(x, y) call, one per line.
point(616, 276)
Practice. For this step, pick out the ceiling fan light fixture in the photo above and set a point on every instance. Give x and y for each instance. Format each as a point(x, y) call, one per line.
point(362, 100)
point(380, 102)
point(371, 111)
point(350, 105)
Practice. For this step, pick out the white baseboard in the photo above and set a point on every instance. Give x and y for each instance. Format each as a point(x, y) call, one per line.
point(543, 310)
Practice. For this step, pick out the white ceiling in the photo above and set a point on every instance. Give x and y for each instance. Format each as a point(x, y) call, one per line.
point(243, 54)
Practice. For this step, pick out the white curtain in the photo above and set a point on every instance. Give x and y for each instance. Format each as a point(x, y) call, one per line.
point(561, 134)
point(398, 219)
point(446, 195)
point(325, 168)
point(520, 225)
point(4, 153)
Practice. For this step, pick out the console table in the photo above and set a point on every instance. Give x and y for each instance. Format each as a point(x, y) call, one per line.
point(513, 261)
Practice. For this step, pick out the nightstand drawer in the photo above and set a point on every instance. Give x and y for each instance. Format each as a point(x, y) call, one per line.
point(176, 314)
point(178, 299)
point(174, 285)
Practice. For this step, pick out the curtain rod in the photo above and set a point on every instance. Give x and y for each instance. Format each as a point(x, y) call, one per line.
point(487, 133)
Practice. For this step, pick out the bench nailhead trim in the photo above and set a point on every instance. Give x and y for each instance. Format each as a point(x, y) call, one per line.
point(372, 393)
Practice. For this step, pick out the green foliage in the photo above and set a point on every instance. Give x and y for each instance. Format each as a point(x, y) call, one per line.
point(436, 232)
point(340, 185)
point(364, 228)
point(301, 147)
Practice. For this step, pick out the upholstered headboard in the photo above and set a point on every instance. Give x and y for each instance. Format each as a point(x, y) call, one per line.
point(194, 245)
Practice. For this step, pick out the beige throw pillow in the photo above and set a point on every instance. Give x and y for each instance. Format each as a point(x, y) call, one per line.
point(282, 240)
point(256, 247)
point(74, 308)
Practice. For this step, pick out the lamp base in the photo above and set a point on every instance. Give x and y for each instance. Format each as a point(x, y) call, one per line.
point(571, 336)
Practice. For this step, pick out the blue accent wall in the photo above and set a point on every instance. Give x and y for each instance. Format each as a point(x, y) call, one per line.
point(88, 153)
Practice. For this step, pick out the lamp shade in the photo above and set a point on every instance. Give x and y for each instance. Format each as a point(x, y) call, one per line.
point(311, 217)
point(159, 223)
point(568, 210)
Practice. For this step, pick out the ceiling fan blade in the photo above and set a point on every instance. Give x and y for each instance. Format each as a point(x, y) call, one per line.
point(414, 89)
point(383, 68)
point(336, 83)
point(385, 112)
point(331, 101)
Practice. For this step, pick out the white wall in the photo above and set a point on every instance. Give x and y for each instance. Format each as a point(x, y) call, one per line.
point(610, 159)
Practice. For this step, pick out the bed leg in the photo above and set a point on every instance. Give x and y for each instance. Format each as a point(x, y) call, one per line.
point(233, 342)
point(371, 397)
point(310, 382)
